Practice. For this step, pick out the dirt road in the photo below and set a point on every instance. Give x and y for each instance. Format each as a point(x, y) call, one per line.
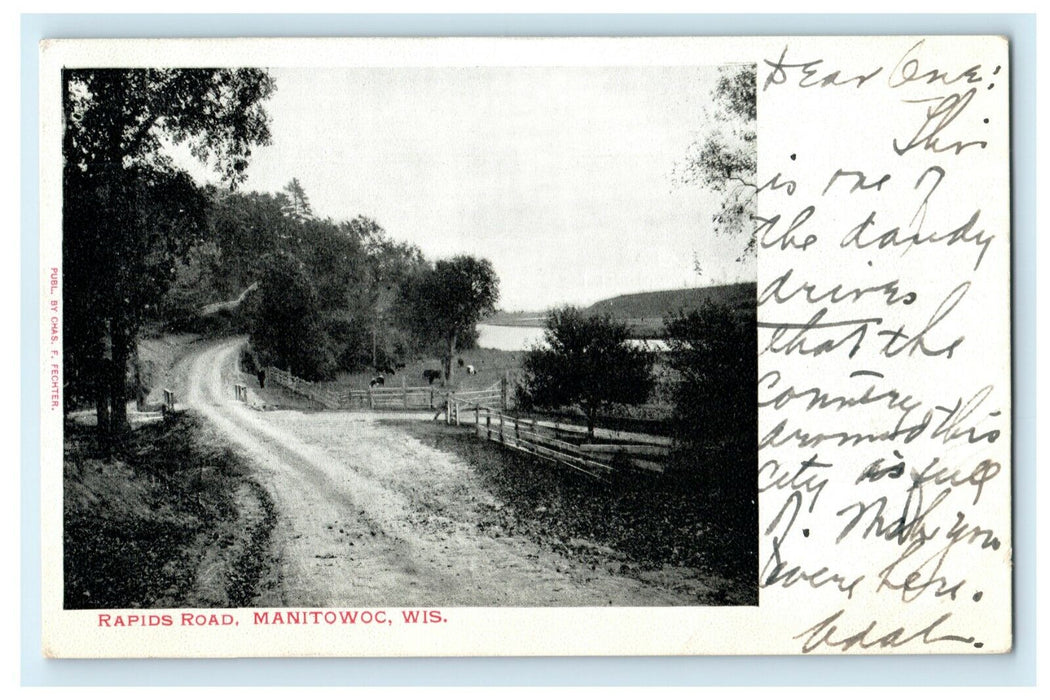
point(368, 515)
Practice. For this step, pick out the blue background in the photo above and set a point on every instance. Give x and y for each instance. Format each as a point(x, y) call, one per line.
point(1017, 668)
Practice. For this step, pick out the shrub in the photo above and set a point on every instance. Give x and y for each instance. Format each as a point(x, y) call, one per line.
point(587, 361)
point(715, 351)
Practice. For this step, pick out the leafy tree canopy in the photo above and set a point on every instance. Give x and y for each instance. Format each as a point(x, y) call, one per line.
point(443, 304)
point(129, 214)
point(587, 361)
point(725, 159)
point(119, 117)
point(296, 204)
point(286, 320)
point(355, 268)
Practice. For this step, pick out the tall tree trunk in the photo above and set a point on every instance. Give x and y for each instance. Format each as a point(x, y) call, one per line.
point(101, 389)
point(118, 388)
point(97, 363)
point(448, 358)
point(141, 392)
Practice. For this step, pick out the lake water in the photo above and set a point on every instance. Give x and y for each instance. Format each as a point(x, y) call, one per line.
point(523, 338)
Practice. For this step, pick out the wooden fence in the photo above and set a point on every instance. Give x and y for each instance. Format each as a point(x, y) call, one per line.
point(562, 443)
point(460, 402)
point(168, 407)
point(403, 397)
point(327, 397)
point(571, 445)
point(380, 398)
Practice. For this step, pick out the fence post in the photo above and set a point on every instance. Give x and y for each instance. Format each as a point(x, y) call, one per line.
point(503, 382)
point(488, 426)
point(517, 431)
point(501, 437)
point(448, 408)
point(371, 402)
point(404, 389)
point(477, 420)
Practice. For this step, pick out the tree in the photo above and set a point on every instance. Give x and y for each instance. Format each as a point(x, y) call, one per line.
point(714, 349)
point(389, 264)
point(129, 215)
point(245, 227)
point(297, 204)
point(353, 267)
point(286, 320)
point(443, 304)
point(586, 361)
point(357, 270)
point(725, 160)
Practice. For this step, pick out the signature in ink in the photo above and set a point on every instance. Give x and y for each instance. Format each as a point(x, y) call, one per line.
point(826, 633)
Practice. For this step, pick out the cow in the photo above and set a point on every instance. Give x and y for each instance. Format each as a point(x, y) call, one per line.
point(385, 369)
point(460, 362)
point(377, 381)
point(431, 374)
point(471, 370)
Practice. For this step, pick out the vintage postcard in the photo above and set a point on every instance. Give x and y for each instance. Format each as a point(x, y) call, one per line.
point(489, 346)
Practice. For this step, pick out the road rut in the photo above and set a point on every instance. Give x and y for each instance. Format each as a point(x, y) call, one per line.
point(369, 516)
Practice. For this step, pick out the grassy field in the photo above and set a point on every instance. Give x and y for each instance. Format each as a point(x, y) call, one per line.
point(491, 365)
point(169, 520)
point(524, 319)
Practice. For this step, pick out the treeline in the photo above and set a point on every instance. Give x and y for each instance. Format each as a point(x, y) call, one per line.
point(144, 245)
point(325, 296)
point(325, 291)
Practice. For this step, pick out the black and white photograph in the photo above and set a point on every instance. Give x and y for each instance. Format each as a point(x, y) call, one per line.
point(417, 337)
point(526, 346)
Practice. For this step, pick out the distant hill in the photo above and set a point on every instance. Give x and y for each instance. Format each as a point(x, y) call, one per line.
point(658, 304)
point(644, 312)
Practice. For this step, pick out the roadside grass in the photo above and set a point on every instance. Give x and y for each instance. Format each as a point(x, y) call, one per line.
point(171, 519)
point(632, 524)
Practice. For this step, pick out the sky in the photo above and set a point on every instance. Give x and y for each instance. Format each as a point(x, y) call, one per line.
point(562, 177)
